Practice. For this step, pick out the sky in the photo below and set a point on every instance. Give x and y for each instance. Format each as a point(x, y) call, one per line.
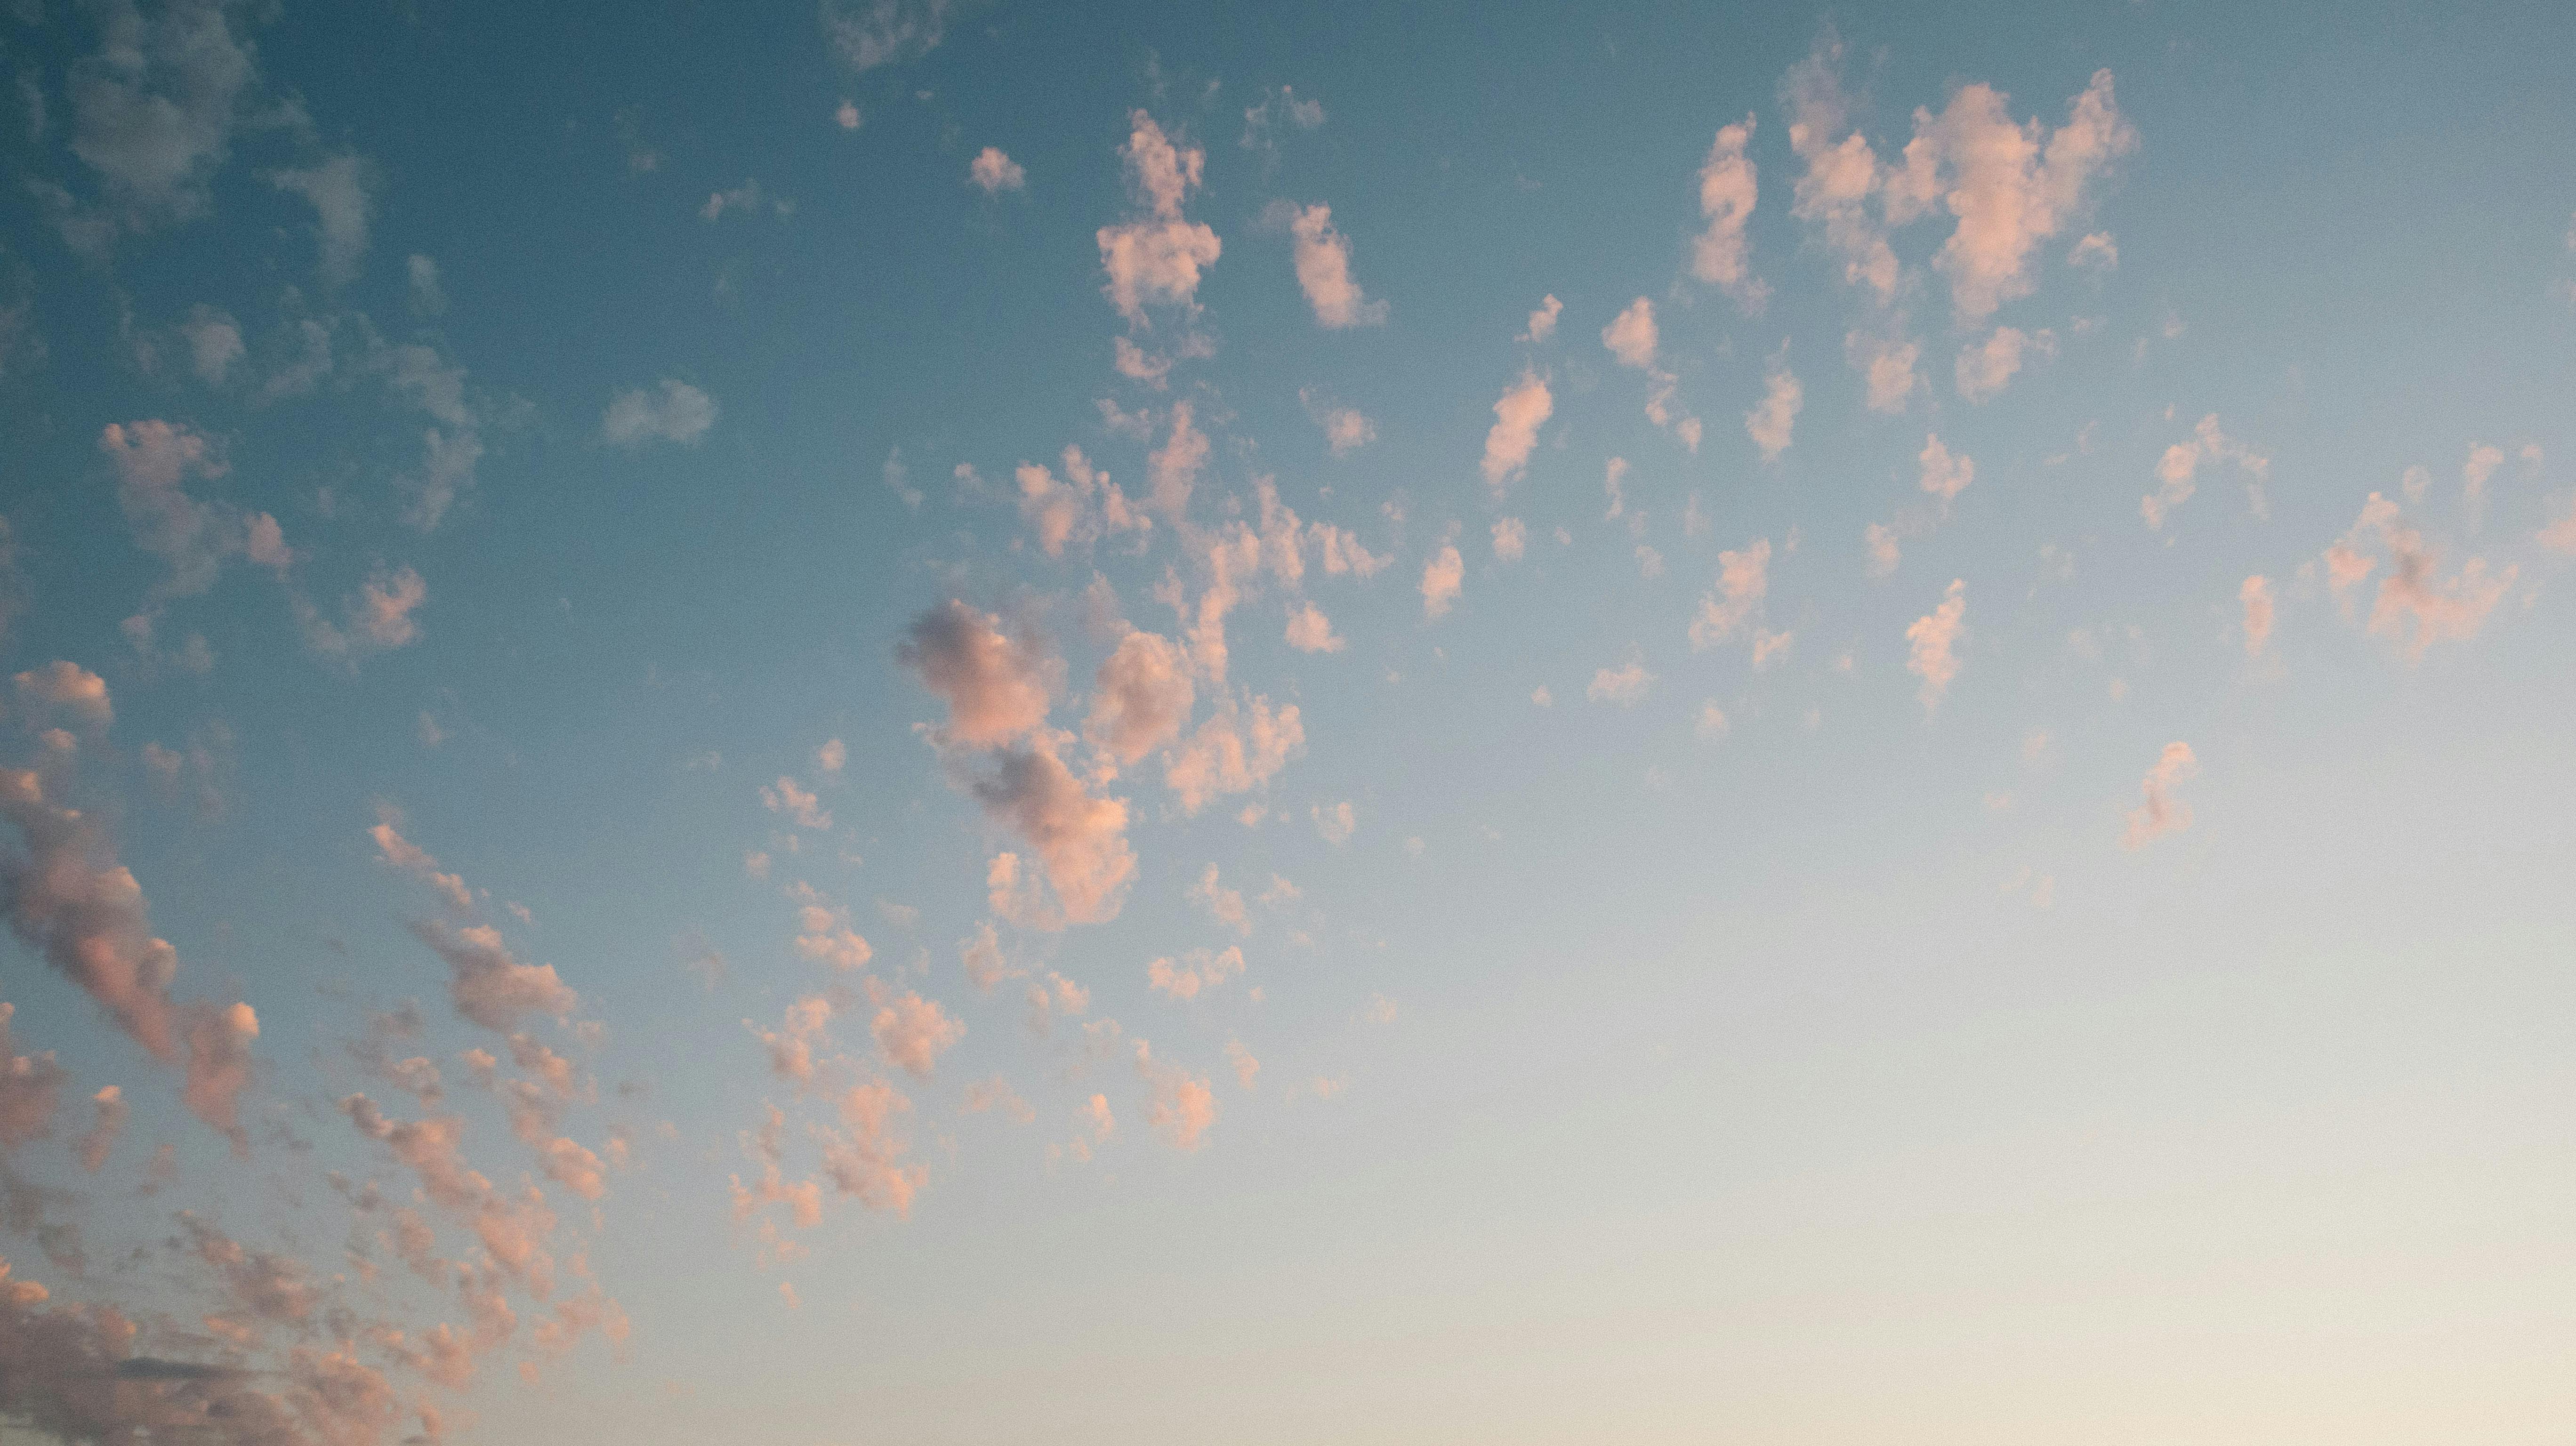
point(908, 721)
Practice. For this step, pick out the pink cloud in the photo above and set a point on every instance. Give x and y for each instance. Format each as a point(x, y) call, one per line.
point(1242, 746)
point(913, 1031)
point(68, 688)
point(31, 1089)
point(1142, 698)
point(488, 985)
point(1080, 839)
point(1183, 1107)
point(1194, 971)
point(1525, 407)
point(2158, 812)
point(401, 853)
point(1743, 578)
point(1631, 335)
point(1442, 579)
point(1770, 424)
point(996, 172)
point(2176, 470)
point(997, 688)
point(1726, 197)
point(1944, 476)
point(2256, 594)
point(1323, 258)
point(1930, 638)
point(1155, 259)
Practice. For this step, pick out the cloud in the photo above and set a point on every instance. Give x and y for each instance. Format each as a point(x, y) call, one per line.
point(1880, 541)
point(1743, 579)
point(1309, 631)
point(1335, 824)
point(1183, 1107)
point(913, 1032)
point(865, 1161)
point(1080, 839)
point(868, 33)
point(402, 854)
point(1223, 904)
point(2177, 469)
point(1841, 171)
point(1770, 423)
point(1079, 509)
point(1346, 429)
point(107, 1121)
point(426, 296)
point(1174, 470)
point(997, 688)
point(337, 191)
point(1525, 406)
point(797, 803)
point(70, 689)
point(1930, 638)
point(214, 343)
point(1986, 368)
point(2256, 594)
point(69, 898)
point(996, 172)
point(1886, 365)
point(1542, 322)
point(377, 617)
point(1442, 578)
point(153, 460)
point(826, 937)
point(1238, 749)
point(488, 985)
point(1323, 260)
point(1726, 196)
point(1944, 476)
point(1624, 685)
point(2096, 252)
point(31, 1089)
point(153, 113)
point(1343, 552)
point(2158, 812)
point(1156, 258)
point(2481, 465)
point(2413, 597)
point(1142, 698)
point(2009, 187)
point(1196, 970)
point(1631, 335)
point(677, 412)
point(1511, 539)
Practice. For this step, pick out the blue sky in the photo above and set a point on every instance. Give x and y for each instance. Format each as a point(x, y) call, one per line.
point(1960, 837)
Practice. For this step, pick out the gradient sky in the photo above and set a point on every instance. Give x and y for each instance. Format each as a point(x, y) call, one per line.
point(959, 723)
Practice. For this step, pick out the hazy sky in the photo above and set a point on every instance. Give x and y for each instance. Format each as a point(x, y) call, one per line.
point(930, 722)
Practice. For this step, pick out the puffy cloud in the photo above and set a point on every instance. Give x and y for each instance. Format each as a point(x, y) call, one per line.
point(219, 1065)
point(865, 1161)
point(1542, 322)
point(1944, 476)
point(2177, 469)
point(337, 190)
point(2158, 812)
point(825, 937)
point(800, 804)
point(673, 412)
point(153, 461)
point(981, 955)
point(1525, 407)
point(1309, 631)
point(107, 1121)
point(153, 113)
point(1770, 423)
point(1614, 475)
point(868, 33)
point(1194, 971)
point(1223, 904)
point(378, 617)
point(997, 688)
point(1239, 748)
point(1346, 429)
point(1743, 579)
point(1986, 368)
point(2415, 605)
point(913, 1032)
point(1142, 698)
point(2011, 185)
point(1082, 507)
point(1624, 685)
point(401, 853)
point(1840, 173)
point(831, 756)
point(2096, 252)
point(1631, 335)
point(1442, 578)
point(31, 1089)
point(996, 172)
point(1511, 539)
point(2560, 536)
point(1726, 195)
point(1183, 1107)
point(1930, 637)
point(2481, 465)
point(1156, 258)
point(2256, 594)
point(1880, 540)
point(1886, 365)
point(1710, 721)
point(67, 688)
point(1323, 259)
point(490, 986)
point(1343, 553)
point(1173, 470)
point(1335, 824)
point(1081, 840)
point(214, 343)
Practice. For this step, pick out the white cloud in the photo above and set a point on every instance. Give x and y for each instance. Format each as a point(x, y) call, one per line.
point(1323, 259)
point(676, 412)
point(996, 172)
